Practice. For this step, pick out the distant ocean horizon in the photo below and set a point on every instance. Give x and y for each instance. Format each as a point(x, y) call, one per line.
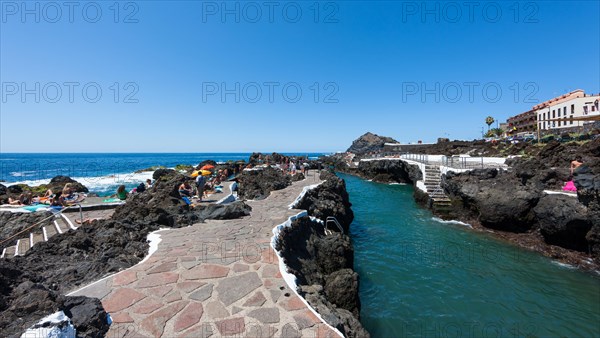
point(102, 172)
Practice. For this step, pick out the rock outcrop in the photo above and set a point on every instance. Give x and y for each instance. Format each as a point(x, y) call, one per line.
point(369, 142)
point(563, 221)
point(495, 199)
point(257, 184)
point(389, 171)
point(323, 264)
point(13, 223)
point(329, 199)
point(25, 300)
point(162, 205)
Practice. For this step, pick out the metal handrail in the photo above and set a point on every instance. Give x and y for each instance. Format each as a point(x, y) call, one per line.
point(334, 220)
point(54, 214)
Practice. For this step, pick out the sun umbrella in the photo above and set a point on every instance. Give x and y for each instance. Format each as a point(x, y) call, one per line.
point(205, 172)
point(195, 173)
point(207, 167)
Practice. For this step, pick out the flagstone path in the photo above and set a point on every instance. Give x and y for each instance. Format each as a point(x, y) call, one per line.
point(218, 278)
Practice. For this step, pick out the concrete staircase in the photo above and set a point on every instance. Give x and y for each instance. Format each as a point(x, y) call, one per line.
point(59, 224)
point(439, 201)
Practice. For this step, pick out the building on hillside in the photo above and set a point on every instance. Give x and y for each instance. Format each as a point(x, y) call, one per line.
point(563, 111)
point(522, 123)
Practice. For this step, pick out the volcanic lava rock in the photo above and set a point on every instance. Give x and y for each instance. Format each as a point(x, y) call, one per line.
point(369, 142)
point(563, 221)
point(12, 223)
point(58, 183)
point(158, 173)
point(227, 211)
point(389, 171)
point(87, 314)
point(258, 184)
point(330, 198)
point(323, 268)
point(497, 200)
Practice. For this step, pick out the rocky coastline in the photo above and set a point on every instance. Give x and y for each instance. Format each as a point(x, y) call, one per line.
point(34, 285)
point(323, 263)
point(512, 204)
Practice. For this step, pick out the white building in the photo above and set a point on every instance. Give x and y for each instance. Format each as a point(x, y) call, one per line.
point(559, 112)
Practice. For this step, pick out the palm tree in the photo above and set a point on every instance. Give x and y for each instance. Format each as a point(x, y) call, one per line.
point(489, 120)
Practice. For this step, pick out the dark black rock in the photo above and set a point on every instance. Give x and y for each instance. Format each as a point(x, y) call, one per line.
point(498, 201)
point(158, 173)
point(258, 184)
point(341, 288)
point(329, 199)
point(87, 314)
point(13, 223)
point(14, 189)
point(588, 186)
point(369, 142)
point(227, 211)
point(389, 171)
point(563, 221)
point(323, 267)
point(58, 183)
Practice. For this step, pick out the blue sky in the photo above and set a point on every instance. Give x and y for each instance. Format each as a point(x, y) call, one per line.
point(409, 70)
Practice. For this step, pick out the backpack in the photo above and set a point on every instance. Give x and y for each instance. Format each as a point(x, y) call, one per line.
point(141, 187)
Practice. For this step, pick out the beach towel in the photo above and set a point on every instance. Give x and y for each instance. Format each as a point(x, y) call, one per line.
point(35, 207)
point(111, 200)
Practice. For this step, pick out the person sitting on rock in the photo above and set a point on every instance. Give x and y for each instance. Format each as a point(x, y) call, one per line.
point(576, 163)
point(121, 192)
point(185, 189)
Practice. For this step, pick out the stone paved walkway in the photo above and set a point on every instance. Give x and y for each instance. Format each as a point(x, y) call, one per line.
point(219, 278)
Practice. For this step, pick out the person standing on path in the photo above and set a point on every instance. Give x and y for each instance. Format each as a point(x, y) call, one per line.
point(200, 182)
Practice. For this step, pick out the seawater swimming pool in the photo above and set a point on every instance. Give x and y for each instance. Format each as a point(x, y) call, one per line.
point(420, 277)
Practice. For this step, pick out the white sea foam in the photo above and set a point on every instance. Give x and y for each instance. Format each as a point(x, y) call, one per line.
point(564, 265)
point(100, 184)
point(396, 183)
point(451, 222)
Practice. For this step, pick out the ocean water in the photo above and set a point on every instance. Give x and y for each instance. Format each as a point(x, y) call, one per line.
point(421, 277)
point(101, 173)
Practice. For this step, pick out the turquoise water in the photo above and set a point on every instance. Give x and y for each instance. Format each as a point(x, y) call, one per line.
point(424, 278)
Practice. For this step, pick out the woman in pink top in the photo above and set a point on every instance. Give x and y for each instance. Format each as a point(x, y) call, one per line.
point(570, 186)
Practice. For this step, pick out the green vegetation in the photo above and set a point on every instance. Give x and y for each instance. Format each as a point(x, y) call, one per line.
point(184, 167)
point(153, 168)
point(489, 120)
point(494, 132)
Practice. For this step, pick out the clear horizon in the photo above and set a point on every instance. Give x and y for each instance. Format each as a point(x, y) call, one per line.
point(232, 76)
